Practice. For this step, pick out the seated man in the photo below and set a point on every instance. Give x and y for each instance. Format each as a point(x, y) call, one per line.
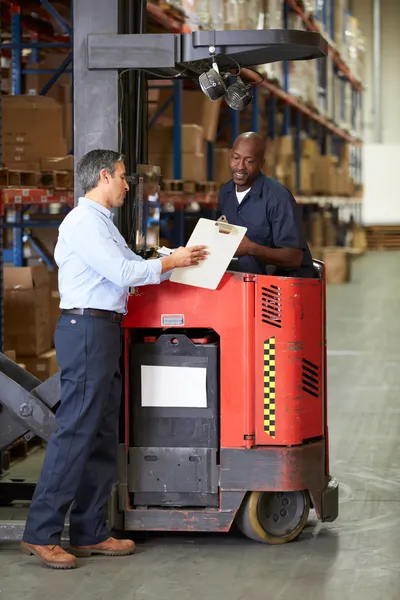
point(268, 210)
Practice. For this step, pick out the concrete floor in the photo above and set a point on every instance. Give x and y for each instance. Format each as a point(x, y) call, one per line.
point(356, 557)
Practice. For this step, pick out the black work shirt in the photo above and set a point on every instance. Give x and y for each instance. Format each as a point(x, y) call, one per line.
point(272, 217)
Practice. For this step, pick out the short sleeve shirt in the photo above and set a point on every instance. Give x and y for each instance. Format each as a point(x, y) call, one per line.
point(273, 219)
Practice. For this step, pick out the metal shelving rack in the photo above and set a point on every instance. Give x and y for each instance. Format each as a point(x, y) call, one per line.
point(21, 199)
point(305, 118)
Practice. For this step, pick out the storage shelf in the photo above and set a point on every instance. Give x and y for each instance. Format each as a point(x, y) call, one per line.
point(310, 23)
point(181, 201)
point(298, 105)
point(173, 25)
point(24, 196)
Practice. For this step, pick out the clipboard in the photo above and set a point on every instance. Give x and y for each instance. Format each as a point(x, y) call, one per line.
point(222, 240)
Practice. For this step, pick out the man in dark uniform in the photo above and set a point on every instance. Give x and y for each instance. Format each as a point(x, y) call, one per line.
point(274, 240)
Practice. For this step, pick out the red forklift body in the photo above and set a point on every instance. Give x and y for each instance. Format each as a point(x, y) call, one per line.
point(271, 450)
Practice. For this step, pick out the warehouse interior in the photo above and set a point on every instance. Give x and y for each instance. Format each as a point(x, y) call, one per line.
point(332, 137)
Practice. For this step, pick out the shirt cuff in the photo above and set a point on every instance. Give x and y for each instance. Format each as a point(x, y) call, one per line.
point(155, 264)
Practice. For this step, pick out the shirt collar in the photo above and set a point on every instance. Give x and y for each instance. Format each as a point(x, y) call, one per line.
point(92, 204)
point(255, 189)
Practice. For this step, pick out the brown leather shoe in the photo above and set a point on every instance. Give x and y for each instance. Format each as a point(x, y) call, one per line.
point(53, 557)
point(110, 547)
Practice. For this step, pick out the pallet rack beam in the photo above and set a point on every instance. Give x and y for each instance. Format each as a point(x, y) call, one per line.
point(56, 15)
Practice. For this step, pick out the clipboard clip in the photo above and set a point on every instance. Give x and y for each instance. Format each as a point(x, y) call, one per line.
point(223, 225)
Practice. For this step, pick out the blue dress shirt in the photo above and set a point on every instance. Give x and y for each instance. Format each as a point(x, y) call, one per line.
point(96, 267)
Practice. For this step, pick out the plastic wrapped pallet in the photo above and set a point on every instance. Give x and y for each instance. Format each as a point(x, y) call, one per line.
point(274, 14)
point(203, 13)
point(309, 6)
point(217, 13)
point(273, 17)
point(243, 14)
point(340, 25)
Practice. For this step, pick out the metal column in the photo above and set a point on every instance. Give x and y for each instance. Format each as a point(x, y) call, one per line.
point(377, 71)
point(1, 246)
point(16, 50)
point(95, 91)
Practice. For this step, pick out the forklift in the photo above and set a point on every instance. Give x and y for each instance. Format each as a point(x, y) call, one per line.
point(224, 409)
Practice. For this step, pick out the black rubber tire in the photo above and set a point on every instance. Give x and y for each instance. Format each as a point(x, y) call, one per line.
point(273, 517)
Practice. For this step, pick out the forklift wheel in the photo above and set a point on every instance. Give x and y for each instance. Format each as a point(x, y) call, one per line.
point(274, 517)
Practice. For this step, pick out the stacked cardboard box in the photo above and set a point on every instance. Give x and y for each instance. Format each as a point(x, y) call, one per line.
point(60, 91)
point(33, 128)
point(222, 171)
point(193, 159)
point(28, 330)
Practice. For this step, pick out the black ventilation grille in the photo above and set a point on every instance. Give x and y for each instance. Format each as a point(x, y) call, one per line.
point(271, 303)
point(311, 377)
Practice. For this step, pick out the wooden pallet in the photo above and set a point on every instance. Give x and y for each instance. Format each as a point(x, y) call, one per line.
point(383, 237)
point(15, 178)
point(173, 185)
point(3, 177)
point(57, 180)
point(189, 187)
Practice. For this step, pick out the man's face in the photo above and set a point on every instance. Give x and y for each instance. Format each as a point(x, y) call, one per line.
point(117, 186)
point(246, 160)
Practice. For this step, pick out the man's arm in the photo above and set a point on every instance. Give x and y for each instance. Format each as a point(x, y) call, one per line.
point(286, 234)
point(284, 258)
point(93, 243)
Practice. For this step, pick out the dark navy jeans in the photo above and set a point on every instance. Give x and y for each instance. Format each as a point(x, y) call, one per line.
point(81, 457)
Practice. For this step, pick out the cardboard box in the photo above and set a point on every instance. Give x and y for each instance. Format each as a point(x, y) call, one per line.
point(196, 108)
point(330, 233)
point(26, 310)
point(305, 176)
point(193, 166)
point(222, 171)
point(61, 163)
point(23, 166)
point(33, 128)
point(338, 263)
point(42, 366)
point(161, 139)
point(309, 148)
point(324, 175)
point(317, 230)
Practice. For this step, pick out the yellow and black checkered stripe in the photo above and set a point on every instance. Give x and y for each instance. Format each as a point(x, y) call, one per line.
point(269, 387)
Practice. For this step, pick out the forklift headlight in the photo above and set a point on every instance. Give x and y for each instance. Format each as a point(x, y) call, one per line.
point(212, 84)
point(239, 95)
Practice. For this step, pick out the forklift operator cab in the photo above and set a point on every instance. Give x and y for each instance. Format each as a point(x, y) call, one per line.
point(225, 407)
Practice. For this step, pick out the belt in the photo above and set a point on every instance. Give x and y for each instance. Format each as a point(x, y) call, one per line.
point(95, 312)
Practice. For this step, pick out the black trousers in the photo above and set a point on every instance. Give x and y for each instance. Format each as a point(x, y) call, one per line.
point(81, 457)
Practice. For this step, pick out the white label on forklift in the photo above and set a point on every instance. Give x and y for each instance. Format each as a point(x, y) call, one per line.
point(174, 387)
point(172, 320)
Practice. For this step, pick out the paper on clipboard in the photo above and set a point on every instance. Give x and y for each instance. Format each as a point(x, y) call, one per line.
point(222, 240)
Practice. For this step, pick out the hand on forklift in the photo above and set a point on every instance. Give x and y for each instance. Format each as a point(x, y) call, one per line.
point(184, 257)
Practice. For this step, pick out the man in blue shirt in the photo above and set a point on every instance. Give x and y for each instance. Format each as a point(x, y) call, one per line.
point(96, 270)
point(274, 242)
